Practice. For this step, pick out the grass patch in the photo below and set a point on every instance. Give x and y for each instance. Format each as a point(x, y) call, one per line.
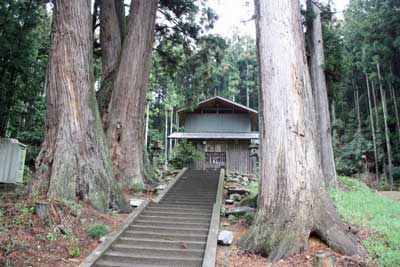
point(137, 187)
point(97, 230)
point(358, 204)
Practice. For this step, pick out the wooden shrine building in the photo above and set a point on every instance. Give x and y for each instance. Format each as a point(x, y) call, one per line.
point(222, 131)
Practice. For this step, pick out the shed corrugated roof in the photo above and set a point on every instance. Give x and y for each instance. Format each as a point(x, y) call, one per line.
point(222, 99)
point(178, 135)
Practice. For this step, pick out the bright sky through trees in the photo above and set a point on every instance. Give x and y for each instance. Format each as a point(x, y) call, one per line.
point(236, 15)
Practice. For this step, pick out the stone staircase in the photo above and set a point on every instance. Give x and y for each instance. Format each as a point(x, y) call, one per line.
point(172, 232)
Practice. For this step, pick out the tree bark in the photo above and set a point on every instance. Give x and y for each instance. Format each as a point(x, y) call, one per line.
point(371, 117)
point(334, 132)
point(73, 162)
point(112, 32)
point(321, 96)
point(387, 132)
point(146, 131)
point(396, 111)
point(166, 136)
point(375, 105)
point(357, 103)
point(124, 125)
point(292, 201)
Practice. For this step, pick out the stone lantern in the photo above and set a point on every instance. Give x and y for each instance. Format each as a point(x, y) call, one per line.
point(156, 153)
point(254, 156)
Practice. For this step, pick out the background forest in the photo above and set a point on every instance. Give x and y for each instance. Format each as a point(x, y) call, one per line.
point(362, 52)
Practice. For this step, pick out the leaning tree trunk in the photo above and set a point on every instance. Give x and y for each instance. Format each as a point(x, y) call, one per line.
point(292, 202)
point(126, 112)
point(73, 162)
point(112, 32)
point(321, 96)
point(371, 117)
point(387, 132)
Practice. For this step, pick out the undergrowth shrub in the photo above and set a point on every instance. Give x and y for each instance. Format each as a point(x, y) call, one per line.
point(184, 154)
point(97, 230)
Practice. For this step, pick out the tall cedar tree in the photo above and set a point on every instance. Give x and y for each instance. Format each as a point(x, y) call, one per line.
point(124, 126)
point(320, 93)
point(292, 201)
point(112, 34)
point(74, 161)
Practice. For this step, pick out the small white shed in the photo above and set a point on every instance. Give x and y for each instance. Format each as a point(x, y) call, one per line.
point(12, 161)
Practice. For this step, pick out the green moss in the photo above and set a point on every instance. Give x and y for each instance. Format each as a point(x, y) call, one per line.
point(359, 205)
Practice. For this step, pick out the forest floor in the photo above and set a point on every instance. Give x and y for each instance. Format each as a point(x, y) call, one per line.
point(64, 240)
point(234, 256)
point(60, 240)
point(395, 195)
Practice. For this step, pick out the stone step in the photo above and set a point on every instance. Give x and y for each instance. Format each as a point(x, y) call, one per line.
point(103, 263)
point(118, 258)
point(188, 202)
point(172, 232)
point(165, 236)
point(192, 198)
point(179, 210)
point(188, 214)
point(169, 230)
point(183, 190)
point(204, 226)
point(138, 249)
point(173, 219)
point(162, 243)
point(184, 206)
point(207, 195)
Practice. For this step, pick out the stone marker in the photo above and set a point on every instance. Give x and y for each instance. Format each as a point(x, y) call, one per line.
point(238, 211)
point(135, 202)
point(225, 238)
point(324, 260)
point(41, 209)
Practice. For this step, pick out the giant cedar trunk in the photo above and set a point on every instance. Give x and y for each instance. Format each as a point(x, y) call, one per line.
point(321, 96)
point(126, 111)
point(73, 162)
point(112, 32)
point(292, 200)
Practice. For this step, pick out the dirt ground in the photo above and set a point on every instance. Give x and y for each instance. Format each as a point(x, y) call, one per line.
point(27, 240)
point(234, 256)
point(395, 195)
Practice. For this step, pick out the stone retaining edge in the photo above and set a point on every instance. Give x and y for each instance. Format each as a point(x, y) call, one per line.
point(210, 253)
